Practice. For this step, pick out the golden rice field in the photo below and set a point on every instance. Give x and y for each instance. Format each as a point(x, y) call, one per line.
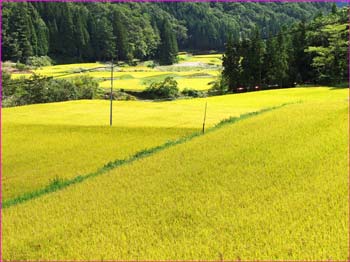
point(34, 156)
point(271, 186)
point(140, 76)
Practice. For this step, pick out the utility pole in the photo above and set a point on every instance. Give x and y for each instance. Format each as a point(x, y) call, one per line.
point(205, 116)
point(111, 96)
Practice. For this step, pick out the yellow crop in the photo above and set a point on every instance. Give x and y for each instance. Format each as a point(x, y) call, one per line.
point(270, 187)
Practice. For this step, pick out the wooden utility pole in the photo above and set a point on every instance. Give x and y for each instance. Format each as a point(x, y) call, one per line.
point(205, 116)
point(111, 96)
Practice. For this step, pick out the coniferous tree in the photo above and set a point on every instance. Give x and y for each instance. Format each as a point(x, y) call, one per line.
point(300, 60)
point(20, 28)
point(121, 37)
point(246, 60)
point(66, 31)
point(258, 50)
point(270, 76)
point(167, 51)
point(281, 65)
point(231, 61)
point(81, 34)
point(103, 40)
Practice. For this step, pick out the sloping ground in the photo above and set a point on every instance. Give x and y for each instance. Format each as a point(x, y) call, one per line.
point(35, 156)
point(49, 142)
point(269, 187)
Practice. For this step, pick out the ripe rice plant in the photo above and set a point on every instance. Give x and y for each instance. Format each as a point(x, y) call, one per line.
point(272, 186)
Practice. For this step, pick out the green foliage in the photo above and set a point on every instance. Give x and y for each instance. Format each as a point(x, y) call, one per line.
point(39, 89)
point(21, 67)
point(219, 87)
point(39, 61)
point(329, 48)
point(192, 92)
point(168, 47)
point(231, 61)
point(122, 45)
point(314, 52)
point(86, 87)
point(98, 31)
point(164, 89)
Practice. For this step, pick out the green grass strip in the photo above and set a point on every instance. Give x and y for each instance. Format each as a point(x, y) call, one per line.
point(59, 184)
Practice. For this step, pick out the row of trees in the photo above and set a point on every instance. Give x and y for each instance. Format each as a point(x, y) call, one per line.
point(305, 53)
point(85, 32)
point(100, 31)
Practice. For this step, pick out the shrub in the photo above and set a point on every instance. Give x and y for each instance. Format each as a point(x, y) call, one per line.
point(39, 61)
point(39, 89)
point(219, 87)
point(87, 87)
point(165, 89)
point(8, 86)
point(192, 92)
point(21, 66)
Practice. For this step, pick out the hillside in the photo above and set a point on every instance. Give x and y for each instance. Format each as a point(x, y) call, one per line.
point(89, 31)
point(270, 186)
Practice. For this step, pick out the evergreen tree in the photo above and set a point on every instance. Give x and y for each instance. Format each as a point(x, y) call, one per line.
point(20, 28)
point(168, 47)
point(103, 40)
point(253, 53)
point(121, 37)
point(281, 65)
point(42, 33)
point(231, 61)
point(301, 61)
point(66, 31)
point(246, 60)
point(81, 33)
point(334, 9)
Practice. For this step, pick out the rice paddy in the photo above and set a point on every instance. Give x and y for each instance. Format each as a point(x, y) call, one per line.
point(271, 186)
point(197, 75)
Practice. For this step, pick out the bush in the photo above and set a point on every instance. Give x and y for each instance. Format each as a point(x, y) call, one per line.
point(192, 92)
point(39, 61)
point(21, 66)
point(165, 89)
point(87, 87)
point(219, 87)
point(57, 90)
point(7, 86)
point(39, 89)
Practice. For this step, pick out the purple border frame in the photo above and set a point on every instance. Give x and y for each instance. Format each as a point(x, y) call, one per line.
point(198, 1)
point(125, 1)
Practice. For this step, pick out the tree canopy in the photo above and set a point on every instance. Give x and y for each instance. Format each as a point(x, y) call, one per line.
point(100, 31)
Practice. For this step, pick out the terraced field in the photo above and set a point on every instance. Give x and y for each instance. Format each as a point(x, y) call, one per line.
point(194, 72)
point(270, 186)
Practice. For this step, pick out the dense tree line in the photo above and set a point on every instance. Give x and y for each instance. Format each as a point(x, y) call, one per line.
point(314, 52)
point(125, 31)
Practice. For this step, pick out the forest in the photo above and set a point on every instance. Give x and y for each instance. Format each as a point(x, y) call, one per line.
point(305, 53)
point(81, 32)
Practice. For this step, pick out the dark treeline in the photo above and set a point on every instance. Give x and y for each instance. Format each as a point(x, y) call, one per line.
point(314, 52)
point(126, 31)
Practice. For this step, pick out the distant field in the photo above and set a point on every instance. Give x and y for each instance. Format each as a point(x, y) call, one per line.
point(272, 186)
point(196, 75)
